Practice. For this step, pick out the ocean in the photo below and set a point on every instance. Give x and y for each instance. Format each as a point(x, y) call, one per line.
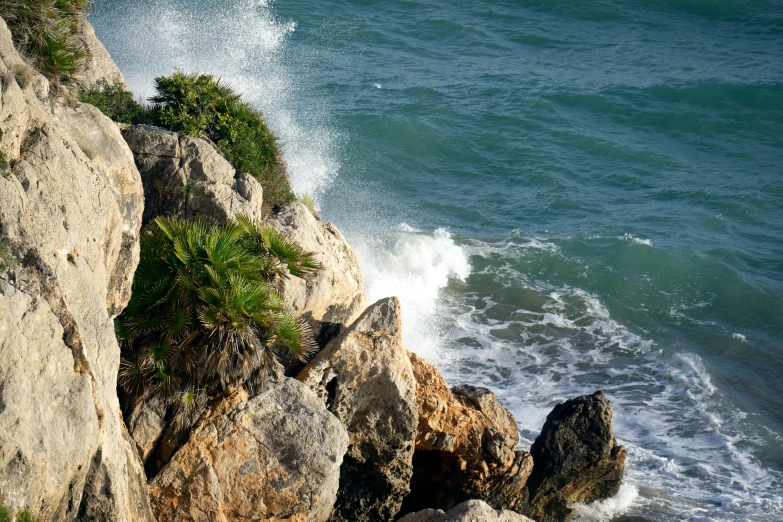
point(565, 195)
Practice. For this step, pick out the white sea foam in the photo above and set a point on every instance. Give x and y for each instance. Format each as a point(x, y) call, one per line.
point(634, 239)
point(414, 266)
point(605, 510)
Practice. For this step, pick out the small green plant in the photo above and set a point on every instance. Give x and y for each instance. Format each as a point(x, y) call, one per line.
point(47, 31)
point(21, 516)
point(205, 313)
point(6, 260)
point(115, 102)
point(25, 516)
point(309, 202)
point(33, 137)
point(3, 161)
point(199, 105)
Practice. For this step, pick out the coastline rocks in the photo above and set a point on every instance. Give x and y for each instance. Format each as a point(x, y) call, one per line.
point(365, 378)
point(336, 293)
point(577, 458)
point(70, 211)
point(465, 447)
point(275, 456)
point(470, 511)
point(188, 177)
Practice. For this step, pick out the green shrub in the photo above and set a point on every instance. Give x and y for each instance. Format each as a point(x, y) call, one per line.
point(116, 103)
point(47, 31)
point(199, 105)
point(205, 313)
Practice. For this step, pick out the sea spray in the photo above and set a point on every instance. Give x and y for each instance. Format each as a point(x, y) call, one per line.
point(414, 266)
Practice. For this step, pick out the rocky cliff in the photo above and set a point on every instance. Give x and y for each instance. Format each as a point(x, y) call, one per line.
point(70, 213)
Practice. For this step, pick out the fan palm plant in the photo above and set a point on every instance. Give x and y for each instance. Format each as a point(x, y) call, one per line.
point(47, 31)
point(205, 312)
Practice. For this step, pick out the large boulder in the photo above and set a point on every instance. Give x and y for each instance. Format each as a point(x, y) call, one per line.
point(275, 456)
point(465, 447)
point(577, 458)
point(99, 65)
point(188, 177)
point(336, 294)
point(365, 378)
point(470, 511)
point(70, 214)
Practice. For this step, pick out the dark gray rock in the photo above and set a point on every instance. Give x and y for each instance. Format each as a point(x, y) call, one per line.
point(576, 458)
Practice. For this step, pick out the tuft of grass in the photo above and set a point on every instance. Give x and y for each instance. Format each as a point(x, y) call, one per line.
point(3, 161)
point(47, 32)
point(33, 137)
point(6, 261)
point(199, 105)
point(23, 75)
point(204, 313)
point(309, 202)
point(21, 516)
point(25, 516)
point(117, 103)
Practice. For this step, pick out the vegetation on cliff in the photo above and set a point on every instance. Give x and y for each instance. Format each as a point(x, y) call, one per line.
point(201, 106)
point(21, 516)
point(116, 102)
point(47, 32)
point(205, 313)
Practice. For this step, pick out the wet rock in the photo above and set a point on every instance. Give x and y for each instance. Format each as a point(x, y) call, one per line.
point(470, 511)
point(365, 378)
point(577, 458)
point(274, 456)
point(465, 447)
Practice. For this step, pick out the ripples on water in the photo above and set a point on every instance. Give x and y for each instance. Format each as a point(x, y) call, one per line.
point(566, 195)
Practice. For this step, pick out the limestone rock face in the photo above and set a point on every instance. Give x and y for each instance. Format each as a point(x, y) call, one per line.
point(188, 177)
point(465, 447)
point(145, 425)
point(99, 63)
point(470, 511)
point(70, 213)
point(336, 294)
point(365, 378)
point(577, 458)
point(275, 456)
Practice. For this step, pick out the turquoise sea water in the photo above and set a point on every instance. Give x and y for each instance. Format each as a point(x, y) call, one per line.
point(566, 195)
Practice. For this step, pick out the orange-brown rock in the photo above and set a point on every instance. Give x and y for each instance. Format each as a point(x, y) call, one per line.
point(273, 457)
point(465, 447)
